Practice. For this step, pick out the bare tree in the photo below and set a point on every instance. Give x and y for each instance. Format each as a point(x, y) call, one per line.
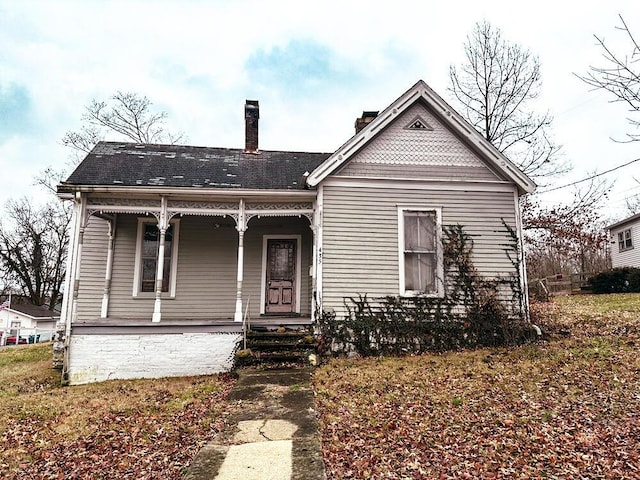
point(569, 237)
point(633, 204)
point(126, 116)
point(495, 88)
point(33, 249)
point(620, 75)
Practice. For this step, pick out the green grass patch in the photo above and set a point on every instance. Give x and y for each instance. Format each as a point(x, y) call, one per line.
point(25, 354)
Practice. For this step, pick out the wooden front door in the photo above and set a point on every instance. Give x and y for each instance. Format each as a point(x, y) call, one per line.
point(281, 276)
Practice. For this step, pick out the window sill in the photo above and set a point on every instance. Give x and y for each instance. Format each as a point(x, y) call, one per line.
point(410, 294)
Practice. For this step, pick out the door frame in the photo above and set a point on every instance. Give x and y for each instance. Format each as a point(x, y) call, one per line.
point(298, 279)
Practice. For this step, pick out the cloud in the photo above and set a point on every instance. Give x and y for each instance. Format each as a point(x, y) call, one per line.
point(302, 67)
point(15, 111)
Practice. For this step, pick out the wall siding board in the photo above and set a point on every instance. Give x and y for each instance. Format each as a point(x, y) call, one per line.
point(93, 267)
point(347, 255)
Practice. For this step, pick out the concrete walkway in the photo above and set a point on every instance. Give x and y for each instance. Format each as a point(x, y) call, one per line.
point(276, 436)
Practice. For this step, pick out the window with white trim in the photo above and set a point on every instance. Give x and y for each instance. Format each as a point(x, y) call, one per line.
point(624, 240)
point(146, 264)
point(420, 251)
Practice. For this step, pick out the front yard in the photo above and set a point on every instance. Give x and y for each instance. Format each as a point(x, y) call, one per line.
point(142, 429)
point(567, 407)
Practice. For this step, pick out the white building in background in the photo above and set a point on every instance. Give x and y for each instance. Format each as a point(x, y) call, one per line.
point(25, 321)
point(625, 242)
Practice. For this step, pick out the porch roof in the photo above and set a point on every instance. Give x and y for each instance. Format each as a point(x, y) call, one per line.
point(130, 164)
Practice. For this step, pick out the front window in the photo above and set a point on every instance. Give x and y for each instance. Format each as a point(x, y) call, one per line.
point(147, 250)
point(150, 246)
point(624, 240)
point(420, 262)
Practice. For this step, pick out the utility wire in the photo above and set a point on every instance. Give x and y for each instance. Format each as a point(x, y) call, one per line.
point(592, 176)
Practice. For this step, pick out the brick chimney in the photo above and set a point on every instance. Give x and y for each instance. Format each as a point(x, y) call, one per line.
point(251, 116)
point(366, 119)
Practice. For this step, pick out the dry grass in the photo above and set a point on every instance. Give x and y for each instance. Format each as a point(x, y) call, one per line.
point(563, 408)
point(118, 429)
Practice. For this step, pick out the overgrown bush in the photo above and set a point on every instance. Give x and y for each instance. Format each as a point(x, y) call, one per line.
point(617, 280)
point(634, 280)
point(472, 312)
point(400, 326)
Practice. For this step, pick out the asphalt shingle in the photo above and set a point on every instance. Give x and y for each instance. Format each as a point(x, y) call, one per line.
point(130, 164)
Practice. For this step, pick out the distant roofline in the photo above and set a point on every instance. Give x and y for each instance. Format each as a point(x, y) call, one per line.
point(203, 147)
point(622, 222)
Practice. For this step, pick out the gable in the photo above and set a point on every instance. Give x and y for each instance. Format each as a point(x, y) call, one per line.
point(418, 145)
point(421, 93)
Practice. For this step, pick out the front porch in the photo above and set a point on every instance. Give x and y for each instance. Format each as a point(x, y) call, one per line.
point(171, 283)
point(191, 263)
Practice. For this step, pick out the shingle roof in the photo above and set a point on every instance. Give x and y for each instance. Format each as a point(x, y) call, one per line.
point(130, 164)
point(36, 311)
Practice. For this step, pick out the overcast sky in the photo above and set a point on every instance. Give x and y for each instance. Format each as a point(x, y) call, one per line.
point(314, 67)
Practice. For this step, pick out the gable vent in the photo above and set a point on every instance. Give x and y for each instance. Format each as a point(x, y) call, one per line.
point(418, 124)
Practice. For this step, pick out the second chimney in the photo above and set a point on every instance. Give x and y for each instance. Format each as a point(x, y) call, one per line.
point(251, 116)
point(366, 119)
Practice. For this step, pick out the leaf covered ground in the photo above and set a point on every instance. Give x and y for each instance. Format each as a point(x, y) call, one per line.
point(141, 429)
point(567, 407)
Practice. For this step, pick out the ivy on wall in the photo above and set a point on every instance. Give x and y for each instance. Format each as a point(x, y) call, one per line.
point(475, 311)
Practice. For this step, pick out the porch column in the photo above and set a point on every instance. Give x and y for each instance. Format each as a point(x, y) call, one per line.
point(162, 228)
point(241, 227)
point(82, 217)
point(109, 270)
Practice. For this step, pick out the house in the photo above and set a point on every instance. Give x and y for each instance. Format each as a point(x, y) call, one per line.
point(33, 323)
point(173, 247)
point(625, 237)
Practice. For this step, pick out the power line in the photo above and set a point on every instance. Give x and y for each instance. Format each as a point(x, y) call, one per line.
point(592, 176)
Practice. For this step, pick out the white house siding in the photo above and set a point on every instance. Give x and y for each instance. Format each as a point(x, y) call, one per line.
point(94, 358)
point(360, 231)
point(206, 269)
point(626, 258)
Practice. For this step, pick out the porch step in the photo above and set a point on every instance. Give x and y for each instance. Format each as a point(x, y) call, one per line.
point(277, 346)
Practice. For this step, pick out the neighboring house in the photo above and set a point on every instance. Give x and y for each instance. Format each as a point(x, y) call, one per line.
point(33, 323)
point(625, 242)
point(173, 246)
